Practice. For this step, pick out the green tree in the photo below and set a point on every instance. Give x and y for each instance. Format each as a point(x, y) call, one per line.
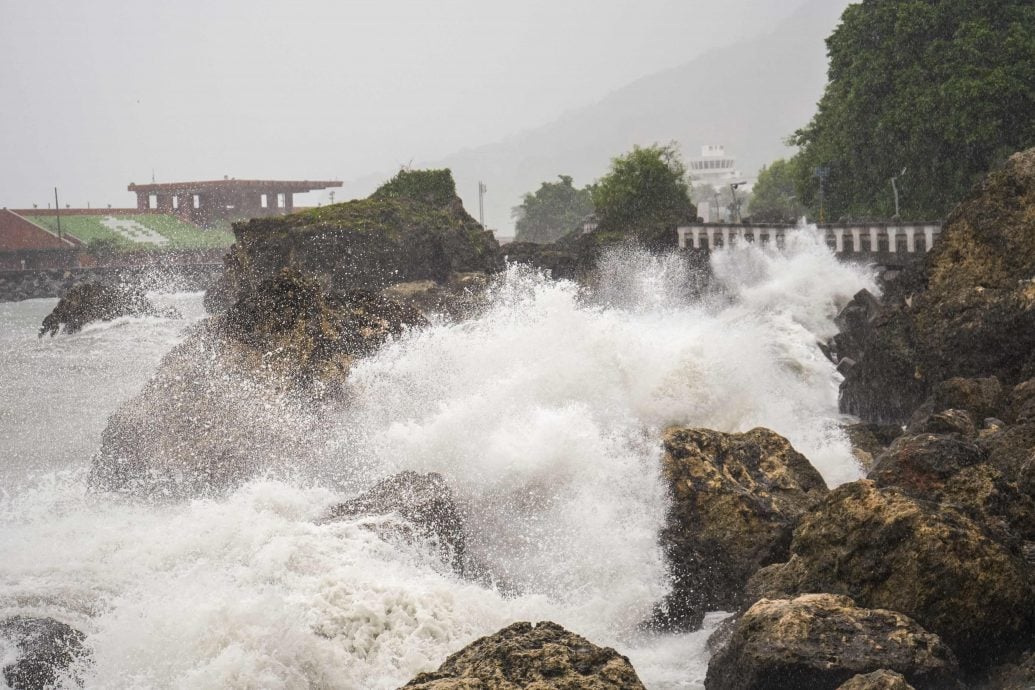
point(774, 198)
point(942, 88)
point(645, 193)
point(554, 210)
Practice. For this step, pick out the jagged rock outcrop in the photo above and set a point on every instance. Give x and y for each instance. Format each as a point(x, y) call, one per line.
point(966, 310)
point(888, 550)
point(413, 228)
point(45, 648)
point(244, 392)
point(819, 641)
point(426, 508)
point(951, 469)
point(735, 501)
point(90, 302)
point(922, 463)
point(878, 680)
point(544, 657)
point(462, 295)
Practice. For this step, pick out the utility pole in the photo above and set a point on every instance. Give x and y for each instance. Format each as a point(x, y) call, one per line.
point(481, 202)
point(894, 188)
point(57, 211)
point(822, 172)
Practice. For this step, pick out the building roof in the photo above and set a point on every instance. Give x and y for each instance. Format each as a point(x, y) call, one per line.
point(294, 186)
point(19, 234)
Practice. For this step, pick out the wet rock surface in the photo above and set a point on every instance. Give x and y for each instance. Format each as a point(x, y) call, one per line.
point(878, 680)
point(425, 504)
point(246, 391)
point(736, 500)
point(46, 649)
point(967, 310)
point(819, 641)
point(927, 560)
point(89, 302)
point(543, 656)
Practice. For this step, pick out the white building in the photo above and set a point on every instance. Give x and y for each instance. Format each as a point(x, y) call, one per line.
point(716, 169)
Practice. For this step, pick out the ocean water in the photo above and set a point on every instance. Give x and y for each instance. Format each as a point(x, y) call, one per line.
point(543, 412)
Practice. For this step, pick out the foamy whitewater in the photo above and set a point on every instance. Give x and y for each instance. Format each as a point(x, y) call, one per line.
point(544, 412)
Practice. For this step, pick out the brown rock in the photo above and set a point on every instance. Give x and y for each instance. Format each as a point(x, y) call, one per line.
point(886, 549)
point(540, 657)
point(878, 680)
point(88, 302)
point(819, 641)
point(426, 506)
point(245, 392)
point(967, 310)
point(736, 499)
point(921, 464)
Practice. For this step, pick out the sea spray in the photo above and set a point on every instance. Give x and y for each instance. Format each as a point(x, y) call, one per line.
point(543, 411)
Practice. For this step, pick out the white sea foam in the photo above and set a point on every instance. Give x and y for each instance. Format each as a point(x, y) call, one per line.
point(544, 414)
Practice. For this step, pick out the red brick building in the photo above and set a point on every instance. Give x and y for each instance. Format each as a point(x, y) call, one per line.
point(25, 245)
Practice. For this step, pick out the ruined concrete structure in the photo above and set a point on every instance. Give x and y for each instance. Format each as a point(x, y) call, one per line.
point(205, 202)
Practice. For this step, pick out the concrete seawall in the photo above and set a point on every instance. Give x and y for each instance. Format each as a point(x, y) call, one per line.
point(19, 285)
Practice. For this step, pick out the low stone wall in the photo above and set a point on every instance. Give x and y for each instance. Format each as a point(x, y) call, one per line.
point(19, 285)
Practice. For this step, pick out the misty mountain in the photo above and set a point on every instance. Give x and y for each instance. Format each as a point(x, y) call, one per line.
point(748, 96)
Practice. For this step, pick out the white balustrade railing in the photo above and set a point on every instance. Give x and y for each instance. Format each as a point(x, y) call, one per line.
point(843, 239)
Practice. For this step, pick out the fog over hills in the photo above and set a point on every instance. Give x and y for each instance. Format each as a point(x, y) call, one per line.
point(749, 96)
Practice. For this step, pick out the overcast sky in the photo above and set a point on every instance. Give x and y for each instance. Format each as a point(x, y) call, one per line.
point(98, 93)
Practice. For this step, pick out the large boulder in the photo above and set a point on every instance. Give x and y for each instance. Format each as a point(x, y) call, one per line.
point(246, 391)
point(413, 228)
point(1011, 450)
point(819, 641)
point(922, 463)
point(888, 550)
point(966, 310)
point(88, 302)
point(542, 656)
point(735, 501)
point(426, 508)
point(44, 649)
point(878, 680)
point(952, 470)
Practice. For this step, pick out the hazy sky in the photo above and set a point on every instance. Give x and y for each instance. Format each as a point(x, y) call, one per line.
point(97, 93)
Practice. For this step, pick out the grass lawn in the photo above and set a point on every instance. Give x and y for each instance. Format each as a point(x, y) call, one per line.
point(181, 235)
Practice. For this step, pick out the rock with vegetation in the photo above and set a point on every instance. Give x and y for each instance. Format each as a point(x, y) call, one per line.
point(819, 641)
point(967, 310)
point(888, 550)
point(735, 501)
point(88, 302)
point(245, 392)
point(414, 227)
point(544, 656)
point(426, 509)
point(45, 650)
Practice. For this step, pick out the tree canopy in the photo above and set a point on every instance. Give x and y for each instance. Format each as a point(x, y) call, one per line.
point(774, 198)
point(645, 193)
point(554, 210)
point(942, 88)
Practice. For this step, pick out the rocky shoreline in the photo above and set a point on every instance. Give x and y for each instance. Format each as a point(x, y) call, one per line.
point(920, 575)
